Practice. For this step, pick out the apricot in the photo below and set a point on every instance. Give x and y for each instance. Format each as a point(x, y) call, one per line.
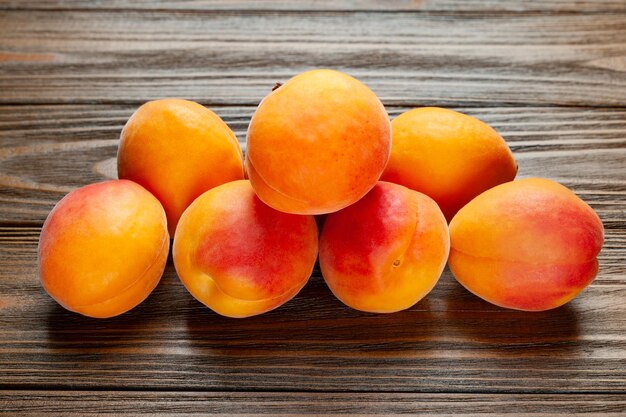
point(178, 149)
point(529, 244)
point(239, 256)
point(448, 156)
point(385, 252)
point(317, 144)
point(103, 248)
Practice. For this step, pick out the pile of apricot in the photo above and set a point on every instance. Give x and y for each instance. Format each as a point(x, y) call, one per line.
point(245, 238)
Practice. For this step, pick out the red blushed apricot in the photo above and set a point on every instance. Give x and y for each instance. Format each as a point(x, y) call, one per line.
point(178, 149)
point(239, 256)
point(317, 144)
point(449, 156)
point(103, 248)
point(529, 245)
point(385, 252)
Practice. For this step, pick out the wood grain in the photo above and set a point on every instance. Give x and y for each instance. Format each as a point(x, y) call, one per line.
point(47, 150)
point(234, 57)
point(84, 403)
point(550, 76)
point(456, 6)
point(449, 342)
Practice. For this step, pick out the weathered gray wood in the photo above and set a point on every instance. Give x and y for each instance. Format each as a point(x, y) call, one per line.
point(347, 5)
point(87, 403)
point(235, 58)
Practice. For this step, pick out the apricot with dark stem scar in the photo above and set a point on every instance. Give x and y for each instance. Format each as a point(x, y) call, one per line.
point(317, 143)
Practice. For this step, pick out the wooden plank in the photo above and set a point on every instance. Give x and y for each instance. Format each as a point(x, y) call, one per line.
point(48, 150)
point(70, 79)
point(89, 403)
point(325, 5)
point(449, 342)
point(234, 57)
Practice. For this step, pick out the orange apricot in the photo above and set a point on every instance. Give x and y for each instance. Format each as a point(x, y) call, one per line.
point(239, 256)
point(103, 248)
point(178, 149)
point(449, 156)
point(385, 252)
point(529, 244)
point(317, 144)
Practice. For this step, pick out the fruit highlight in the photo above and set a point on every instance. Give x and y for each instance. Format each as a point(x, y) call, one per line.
point(239, 256)
point(385, 252)
point(317, 144)
point(103, 248)
point(529, 244)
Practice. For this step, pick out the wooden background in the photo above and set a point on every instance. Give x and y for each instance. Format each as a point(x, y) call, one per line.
point(550, 76)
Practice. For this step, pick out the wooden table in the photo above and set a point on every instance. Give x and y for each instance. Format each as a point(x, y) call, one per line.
point(550, 76)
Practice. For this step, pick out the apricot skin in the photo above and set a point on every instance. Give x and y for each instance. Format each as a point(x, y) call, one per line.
point(103, 248)
point(387, 251)
point(529, 244)
point(449, 156)
point(317, 144)
point(178, 149)
point(239, 256)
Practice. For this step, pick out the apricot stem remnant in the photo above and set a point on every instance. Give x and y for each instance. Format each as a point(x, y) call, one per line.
point(294, 139)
